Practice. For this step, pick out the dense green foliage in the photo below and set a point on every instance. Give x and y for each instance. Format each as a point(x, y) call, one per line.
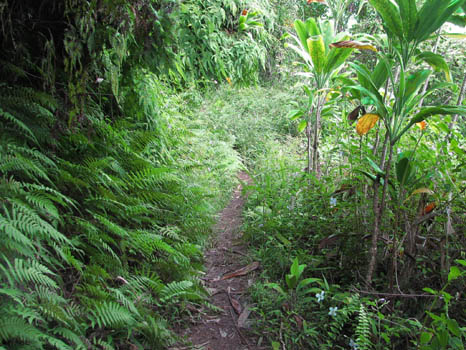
point(109, 184)
point(123, 124)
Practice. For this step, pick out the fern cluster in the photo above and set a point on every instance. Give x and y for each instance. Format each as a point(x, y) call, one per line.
point(108, 185)
point(101, 225)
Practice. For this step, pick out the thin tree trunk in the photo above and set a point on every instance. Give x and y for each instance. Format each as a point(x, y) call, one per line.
point(309, 152)
point(316, 167)
point(378, 213)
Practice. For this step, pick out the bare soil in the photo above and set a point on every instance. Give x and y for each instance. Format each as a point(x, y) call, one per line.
point(220, 330)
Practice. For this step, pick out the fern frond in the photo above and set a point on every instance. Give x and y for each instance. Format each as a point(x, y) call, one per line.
point(175, 289)
point(27, 271)
point(18, 124)
point(363, 331)
point(72, 337)
point(15, 328)
point(110, 314)
point(9, 229)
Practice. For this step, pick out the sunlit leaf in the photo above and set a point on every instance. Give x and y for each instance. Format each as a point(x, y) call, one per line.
point(409, 16)
point(302, 125)
point(316, 48)
point(295, 114)
point(423, 190)
point(380, 74)
point(390, 15)
point(366, 123)
point(432, 15)
point(375, 166)
point(420, 190)
point(311, 1)
point(454, 273)
point(454, 35)
point(353, 45)
point(426, 112)
point(435, 61)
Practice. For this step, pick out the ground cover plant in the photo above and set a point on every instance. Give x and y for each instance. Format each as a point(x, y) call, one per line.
point(123, 125)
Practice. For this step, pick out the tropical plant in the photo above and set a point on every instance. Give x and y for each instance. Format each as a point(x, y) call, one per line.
point(406, 28)
point(323, 53)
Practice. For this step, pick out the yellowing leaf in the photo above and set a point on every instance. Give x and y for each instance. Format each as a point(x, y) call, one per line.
point(316, 48)
point(421, 190)
point(366, 122)
point(310, 1)
point(353, 45)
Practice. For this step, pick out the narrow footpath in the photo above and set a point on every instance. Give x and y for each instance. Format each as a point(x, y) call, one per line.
point(229, 273)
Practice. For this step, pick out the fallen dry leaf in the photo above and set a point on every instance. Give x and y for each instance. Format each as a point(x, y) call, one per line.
point(241, 272)
point(299, 321)
point(236, 305)
point(243, 317)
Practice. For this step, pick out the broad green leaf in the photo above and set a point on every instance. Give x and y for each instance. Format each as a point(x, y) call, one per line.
point(409, 17)
point(415, 81)
point(432, 15)
point(380, 74)
point(427, 112)
point(370, 176)
point(461, 262)
point(454, 273)
point(295, 114)
point(375, 166)
point(302, 125)
point(390, 16)
point(365, 79)
point(435, 61)
point(305, 30)
point(453, 327)
point(403, 169)
point(291, 281)
point(425, 337)
point(430, 290)
point(316, 48)
point(336, 57)
point(328, 34)
point(457, 20)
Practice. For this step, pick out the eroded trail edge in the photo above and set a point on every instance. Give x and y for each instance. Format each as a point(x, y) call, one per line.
point(229, 273)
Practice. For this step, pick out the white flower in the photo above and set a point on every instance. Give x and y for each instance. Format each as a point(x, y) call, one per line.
point(333, 311)
point(353, 344)
point(320, 296)
point(333, 202)
point(99, 80)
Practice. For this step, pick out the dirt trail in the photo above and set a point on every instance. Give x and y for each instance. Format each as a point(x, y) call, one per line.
point(220, 330)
